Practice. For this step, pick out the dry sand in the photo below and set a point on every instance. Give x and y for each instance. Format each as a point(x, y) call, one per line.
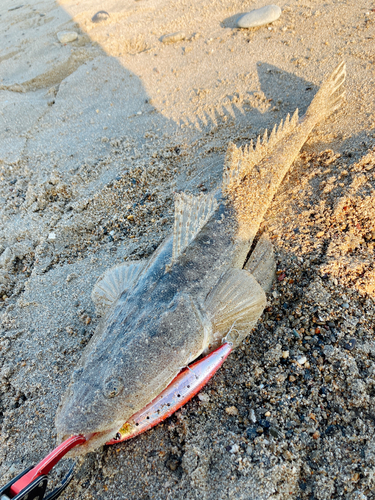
point(96, 135)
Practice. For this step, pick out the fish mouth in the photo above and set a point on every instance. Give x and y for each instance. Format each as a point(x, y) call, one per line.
point(93, 441)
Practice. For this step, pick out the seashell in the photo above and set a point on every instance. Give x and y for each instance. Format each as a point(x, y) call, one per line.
point(100, 16)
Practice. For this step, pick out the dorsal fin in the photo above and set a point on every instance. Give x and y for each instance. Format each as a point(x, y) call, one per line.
point(240, 161)
point(109, 287)
point(191, 214)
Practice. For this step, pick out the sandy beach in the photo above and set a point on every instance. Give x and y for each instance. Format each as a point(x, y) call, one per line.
point(96, 136)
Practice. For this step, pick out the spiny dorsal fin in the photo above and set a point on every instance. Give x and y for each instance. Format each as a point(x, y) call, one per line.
point(113, 283)
point(235, 305)
point(191, 214)
point(240, 161)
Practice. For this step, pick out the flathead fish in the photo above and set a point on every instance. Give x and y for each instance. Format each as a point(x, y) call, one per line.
point(200, 288)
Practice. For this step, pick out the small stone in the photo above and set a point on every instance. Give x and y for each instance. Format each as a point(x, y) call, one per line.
point(234, 449)
point(6, 258)
point(287, 455)
point(67, 36)
point(328, 351)
point(102, 15)
point(267, 414)
point(231, 410)
point(350, 345)
point(359, 495)
point(330, 430)
point(172, 464)
point(71, 277)
point(316, 435)
point(292, 378)
point(173, 37)
point(203, 397)
point(252, 416)
point(264, 423)
point(251, 432)
point(301, 360)
point(52, 236)
point(285, 354)
point(259, 17)
point(345, 305)
point(275, 433)
point(130, 217)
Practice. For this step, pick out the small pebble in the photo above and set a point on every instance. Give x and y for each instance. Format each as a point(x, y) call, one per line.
point(316, 435)
point(267, 414)
point(287, 455)
point(203, 397)
point(252, 416)
point(6, 257)
point(67, 36)
point(285, 354)
point(234, 449)
point(259, 17)
point(301, 360)
point(350, 345)
point(231, 410)
point(52, 236)
point(345, 305)
point(251, 432)
point(172, 464)
point(275, 433)
point(102, 15)
point(173, 37)
point(264, 423)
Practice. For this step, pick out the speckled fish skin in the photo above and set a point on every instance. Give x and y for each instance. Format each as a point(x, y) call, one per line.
point(197, 289)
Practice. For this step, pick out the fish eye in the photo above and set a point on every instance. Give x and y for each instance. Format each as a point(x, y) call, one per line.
point(112, 387)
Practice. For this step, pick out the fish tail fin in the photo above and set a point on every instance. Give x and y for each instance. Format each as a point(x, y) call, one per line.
point(330, 95)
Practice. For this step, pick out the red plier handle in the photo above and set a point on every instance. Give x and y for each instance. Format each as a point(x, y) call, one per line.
point(34, 480)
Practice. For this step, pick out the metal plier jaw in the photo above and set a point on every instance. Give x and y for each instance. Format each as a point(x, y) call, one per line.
point(31, 484)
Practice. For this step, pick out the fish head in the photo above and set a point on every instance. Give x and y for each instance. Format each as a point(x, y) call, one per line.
point(129, 362)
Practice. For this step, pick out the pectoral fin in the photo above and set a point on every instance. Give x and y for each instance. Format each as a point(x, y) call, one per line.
point(261, 263)
point(113, 283)
point(234, 306)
